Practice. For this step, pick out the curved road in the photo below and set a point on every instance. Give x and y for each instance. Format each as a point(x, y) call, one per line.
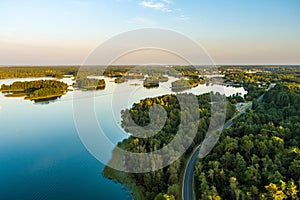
point(187, 189)
point(188, 178)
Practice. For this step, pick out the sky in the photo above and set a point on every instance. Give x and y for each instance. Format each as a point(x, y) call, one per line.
point(60, 32)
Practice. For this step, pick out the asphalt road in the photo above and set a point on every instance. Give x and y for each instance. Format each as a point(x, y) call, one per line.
point(187, 189)
point(188, 179)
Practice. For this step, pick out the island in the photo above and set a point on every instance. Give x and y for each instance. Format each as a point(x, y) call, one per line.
point(180, 85)
point(41, 90)
point(90, 84)
point(151, 82)
point(186, 83)
point(120, 80)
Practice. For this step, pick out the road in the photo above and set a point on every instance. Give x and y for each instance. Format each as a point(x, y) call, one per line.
point(188, 178)
point(187, 192)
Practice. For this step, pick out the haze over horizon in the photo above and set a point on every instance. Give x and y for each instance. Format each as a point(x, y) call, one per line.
point(233, 32)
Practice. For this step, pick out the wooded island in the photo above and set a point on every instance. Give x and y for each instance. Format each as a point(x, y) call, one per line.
point(35, 90)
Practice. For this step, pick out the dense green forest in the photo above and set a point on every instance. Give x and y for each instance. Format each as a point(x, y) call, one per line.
point(25, 72)
point(122, 73)
point(139, 72)
point(154, 80)
point(167, 181)
point(151, 82)
point(90, 84)
point(180, 85)
point(183, 84)
point(259, 156)
point(36, 90)
point(257, 81)
point(192, 74)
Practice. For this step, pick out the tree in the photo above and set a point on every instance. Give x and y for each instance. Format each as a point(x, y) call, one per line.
point(169, 197)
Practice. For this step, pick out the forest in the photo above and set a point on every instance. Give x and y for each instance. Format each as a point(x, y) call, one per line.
point(35, 90)
point(151, 82)
point(180, 85)
point(165, 182)
point(85, 83)
point(259, 156)
point(258, 81)
point(26, 72)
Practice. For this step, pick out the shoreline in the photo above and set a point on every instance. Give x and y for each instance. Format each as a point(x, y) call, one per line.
point(44, 97)
point(126, 182)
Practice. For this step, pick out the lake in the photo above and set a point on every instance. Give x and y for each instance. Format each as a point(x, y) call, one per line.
point(41, 155)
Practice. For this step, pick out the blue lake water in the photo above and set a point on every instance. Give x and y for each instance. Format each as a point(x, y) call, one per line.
point(41, 154)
